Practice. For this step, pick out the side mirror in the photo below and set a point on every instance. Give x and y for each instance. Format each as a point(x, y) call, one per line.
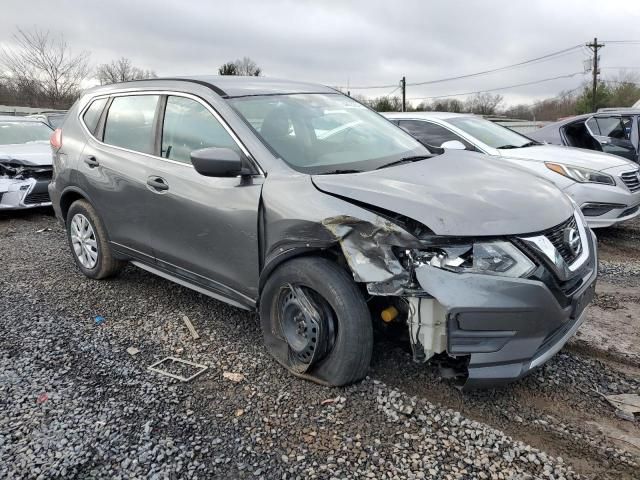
point(453, 145)
point(217, 162)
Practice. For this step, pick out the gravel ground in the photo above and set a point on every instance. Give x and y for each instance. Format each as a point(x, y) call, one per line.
point(75, 404)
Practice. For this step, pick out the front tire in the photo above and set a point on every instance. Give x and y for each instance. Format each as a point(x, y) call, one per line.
point(88, 241)
point(316, 322)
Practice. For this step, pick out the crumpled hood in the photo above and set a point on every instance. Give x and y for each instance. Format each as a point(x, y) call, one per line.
point(35, 153)
point(569, 155)
point(458, 193)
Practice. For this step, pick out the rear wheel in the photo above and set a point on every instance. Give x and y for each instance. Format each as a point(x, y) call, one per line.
point(88, 241)
point(316, 322)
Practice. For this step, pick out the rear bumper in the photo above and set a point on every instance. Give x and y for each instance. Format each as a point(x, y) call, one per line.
point(18, 194)
point(507, 327)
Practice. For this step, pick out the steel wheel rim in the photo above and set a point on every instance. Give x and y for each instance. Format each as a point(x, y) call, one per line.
point(83, 241)
point(308, 341)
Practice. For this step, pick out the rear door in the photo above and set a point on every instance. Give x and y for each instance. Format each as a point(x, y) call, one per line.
point(204, 229)
point(614, 133)
point(113, 168)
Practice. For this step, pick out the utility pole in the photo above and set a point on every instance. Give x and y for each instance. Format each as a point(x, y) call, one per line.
point(594, 48)
point(403, 84)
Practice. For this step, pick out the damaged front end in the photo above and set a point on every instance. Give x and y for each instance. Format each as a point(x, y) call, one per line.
point(23, 185)
point(497, 309)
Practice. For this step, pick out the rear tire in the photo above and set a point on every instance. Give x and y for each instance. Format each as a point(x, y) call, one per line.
point(347, 343)
point(88, 242)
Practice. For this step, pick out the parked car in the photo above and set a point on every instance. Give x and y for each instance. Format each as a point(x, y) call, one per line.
point(611, 130)
point(606, 187)
point(296, 201)
point(25, 163)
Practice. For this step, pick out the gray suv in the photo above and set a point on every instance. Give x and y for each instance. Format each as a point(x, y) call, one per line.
point(298, 202)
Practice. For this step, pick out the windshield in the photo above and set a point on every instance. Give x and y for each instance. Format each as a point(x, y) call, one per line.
point(23, 132)
point(490, 133)
point(326, 133)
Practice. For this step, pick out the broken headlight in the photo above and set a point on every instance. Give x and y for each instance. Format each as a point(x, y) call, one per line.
point(487, 258)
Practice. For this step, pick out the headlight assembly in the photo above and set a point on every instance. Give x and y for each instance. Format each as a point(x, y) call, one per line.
point(487, 258)
point(580, 174)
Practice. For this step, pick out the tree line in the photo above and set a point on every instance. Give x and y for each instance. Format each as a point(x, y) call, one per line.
point(41, 70)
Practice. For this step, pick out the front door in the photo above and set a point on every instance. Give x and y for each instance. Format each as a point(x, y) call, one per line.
point(203, 229)
point(613, 132)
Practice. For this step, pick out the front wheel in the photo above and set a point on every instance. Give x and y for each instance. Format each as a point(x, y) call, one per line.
point(316, 323)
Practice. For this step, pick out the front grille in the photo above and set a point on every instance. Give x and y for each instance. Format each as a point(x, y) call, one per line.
point(34, 198)
point(556, 237)
point(631, 180)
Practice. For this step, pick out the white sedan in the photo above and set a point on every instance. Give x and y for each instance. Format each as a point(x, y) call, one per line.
point(606, 187)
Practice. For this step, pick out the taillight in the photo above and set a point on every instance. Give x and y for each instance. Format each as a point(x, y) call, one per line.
point(56, 139)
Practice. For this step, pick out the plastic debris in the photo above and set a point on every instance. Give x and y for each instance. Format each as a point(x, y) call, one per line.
point(133, 351)
point(191, 328)
point(234, 377)
point(43, 397)
point(178, 366)
point(99, 319)
point(239, 412)
point(46, 229)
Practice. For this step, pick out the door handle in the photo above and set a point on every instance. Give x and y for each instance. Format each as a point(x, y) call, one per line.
point(157, 183)
point(91, 161)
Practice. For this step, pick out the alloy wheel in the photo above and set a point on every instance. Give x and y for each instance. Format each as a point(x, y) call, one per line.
point(83, 241)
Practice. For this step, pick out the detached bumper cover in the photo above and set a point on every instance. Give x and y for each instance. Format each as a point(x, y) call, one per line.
point(507, 326)
point(23, 193)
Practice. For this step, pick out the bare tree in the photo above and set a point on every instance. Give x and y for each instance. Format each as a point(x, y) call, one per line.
point(43, 64)
point(244, 66)
point(228, 68)
point(483, 103)
point(121, 70)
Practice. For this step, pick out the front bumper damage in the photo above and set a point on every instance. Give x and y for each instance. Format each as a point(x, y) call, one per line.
point(504, 327)
point(23, 186)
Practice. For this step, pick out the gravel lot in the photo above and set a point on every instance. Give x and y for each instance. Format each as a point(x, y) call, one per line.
point(75, 404)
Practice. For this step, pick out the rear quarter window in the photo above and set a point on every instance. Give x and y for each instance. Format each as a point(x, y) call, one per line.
point(92, 114)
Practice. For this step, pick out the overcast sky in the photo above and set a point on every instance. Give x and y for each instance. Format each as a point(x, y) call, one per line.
point(356, 43)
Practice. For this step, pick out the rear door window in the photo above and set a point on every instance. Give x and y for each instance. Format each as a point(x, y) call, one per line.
point(188, 125)
point(130, 123)
point(431, 134)
point(92, 114)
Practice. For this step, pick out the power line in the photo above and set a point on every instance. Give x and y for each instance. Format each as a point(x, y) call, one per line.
point(500, 88)
point(515, 65)
point(548, 56)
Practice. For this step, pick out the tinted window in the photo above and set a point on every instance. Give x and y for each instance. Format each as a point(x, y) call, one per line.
point(189, 126)
point(130, 122)
point(23, 132)
point(322, 133)
point(91, 115)
point(430, 133)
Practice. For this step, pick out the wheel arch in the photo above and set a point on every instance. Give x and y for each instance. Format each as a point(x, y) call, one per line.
point(70, 195)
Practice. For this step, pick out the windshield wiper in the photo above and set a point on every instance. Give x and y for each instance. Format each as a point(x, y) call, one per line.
point(415, 158)
point(528, 144)
point(340, 171)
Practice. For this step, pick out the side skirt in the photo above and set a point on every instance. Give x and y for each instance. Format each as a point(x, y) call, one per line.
point(192, 286)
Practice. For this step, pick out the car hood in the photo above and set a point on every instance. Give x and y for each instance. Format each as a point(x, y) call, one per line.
point(458, 193)
point(570, 155)
point(35, 153)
